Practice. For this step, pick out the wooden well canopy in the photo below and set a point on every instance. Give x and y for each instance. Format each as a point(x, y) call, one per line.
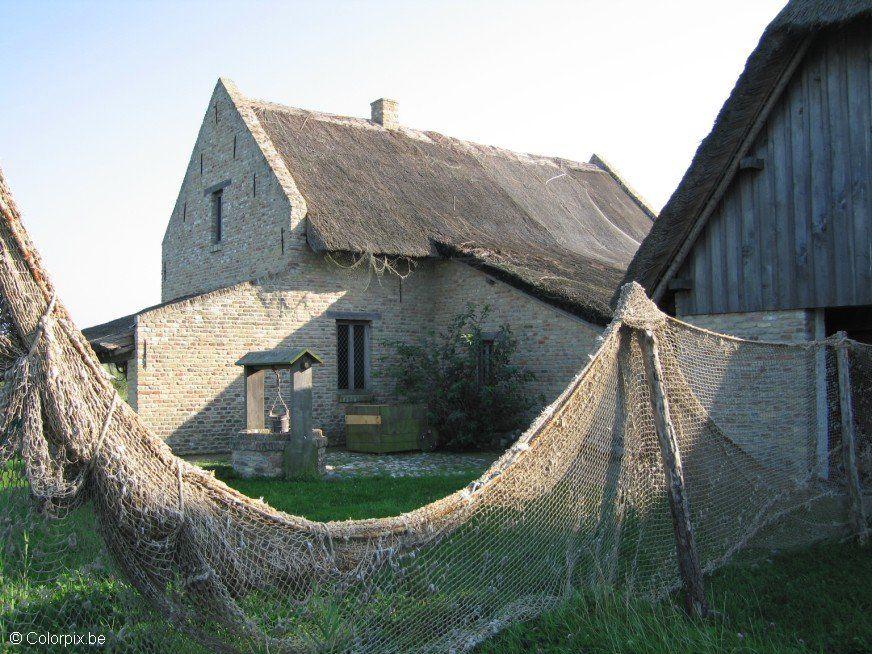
point(299, 362)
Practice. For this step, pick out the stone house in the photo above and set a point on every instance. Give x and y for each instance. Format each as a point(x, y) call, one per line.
point(295, 229)
point(768, 236)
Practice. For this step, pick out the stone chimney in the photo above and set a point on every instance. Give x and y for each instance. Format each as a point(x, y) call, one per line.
point(386, 113)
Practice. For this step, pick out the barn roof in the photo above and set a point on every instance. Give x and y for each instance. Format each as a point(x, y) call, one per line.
point(560, 229)
point(113, 340)
point(715, 159)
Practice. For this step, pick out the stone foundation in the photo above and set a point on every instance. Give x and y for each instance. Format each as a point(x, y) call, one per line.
point(263, 454)
point(258, 454)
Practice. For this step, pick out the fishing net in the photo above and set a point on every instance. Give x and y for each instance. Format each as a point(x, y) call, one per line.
point(103, 531)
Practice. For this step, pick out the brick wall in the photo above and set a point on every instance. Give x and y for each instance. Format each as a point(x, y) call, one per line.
point(553, 344)
point(792, 326)
point(778, 431)
point(262, 230)
point(188, 389)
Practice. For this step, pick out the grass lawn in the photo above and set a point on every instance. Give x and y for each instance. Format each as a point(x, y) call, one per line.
point(817, 600)
point(352, 498)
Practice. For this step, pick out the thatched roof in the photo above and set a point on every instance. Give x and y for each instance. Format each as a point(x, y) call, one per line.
point(560, 229)
point(799, 20)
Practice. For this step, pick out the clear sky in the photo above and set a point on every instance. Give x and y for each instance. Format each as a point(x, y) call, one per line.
point(101, 102)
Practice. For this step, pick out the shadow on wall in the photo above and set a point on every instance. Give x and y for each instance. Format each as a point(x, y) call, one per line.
point(213, 426)
point(206, 336)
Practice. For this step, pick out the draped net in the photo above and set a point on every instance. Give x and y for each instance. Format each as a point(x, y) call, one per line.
point(104, 530)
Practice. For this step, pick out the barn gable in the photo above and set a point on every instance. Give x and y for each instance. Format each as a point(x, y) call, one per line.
point(771, 212)
point(792, 228)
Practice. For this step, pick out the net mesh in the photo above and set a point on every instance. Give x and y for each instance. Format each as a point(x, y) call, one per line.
point(105, 531)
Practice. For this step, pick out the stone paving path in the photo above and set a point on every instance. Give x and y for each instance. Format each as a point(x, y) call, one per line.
point(343, 464)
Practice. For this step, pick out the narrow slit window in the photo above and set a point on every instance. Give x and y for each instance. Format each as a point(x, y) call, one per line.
point(234, 146)
point(359, 357)
point(485, 361)
point(217, 217)
point(342, 354)
point(352, 355)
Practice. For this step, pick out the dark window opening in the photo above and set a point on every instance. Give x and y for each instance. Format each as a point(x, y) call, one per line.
point(352, 355)
point(201, 163)
point(856, 322)
point(254, 184)
point(184, 212)
point(668, 304)
point(283, 240)
point(234, 146)
point(217, 202)
point(216, 113)
point(485, 361)
point(164, 271)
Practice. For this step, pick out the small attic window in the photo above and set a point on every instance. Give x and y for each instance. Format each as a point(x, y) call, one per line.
point(217, 198)
point(215, 193)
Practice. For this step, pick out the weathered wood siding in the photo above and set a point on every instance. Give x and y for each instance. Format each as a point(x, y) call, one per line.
point(797, 233)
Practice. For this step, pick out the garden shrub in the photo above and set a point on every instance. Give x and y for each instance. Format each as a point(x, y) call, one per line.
point(465, 376)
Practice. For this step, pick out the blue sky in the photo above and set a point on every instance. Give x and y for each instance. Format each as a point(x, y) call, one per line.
point(101, 102)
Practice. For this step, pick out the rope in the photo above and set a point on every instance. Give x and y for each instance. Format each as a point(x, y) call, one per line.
point(99, 445)
point(42, 325)
point(181, 490)
point(279, 397)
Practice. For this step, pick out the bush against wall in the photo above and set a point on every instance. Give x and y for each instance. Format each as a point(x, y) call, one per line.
point(119, 379)
point(466, 377)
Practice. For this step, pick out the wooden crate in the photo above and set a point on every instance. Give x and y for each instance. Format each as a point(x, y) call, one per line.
point(383, 428)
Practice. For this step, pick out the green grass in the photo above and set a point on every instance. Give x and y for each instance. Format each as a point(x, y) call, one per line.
point(818, 600)
point(353, 498)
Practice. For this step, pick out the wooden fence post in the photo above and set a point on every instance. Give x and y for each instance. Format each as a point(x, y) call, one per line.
point(849, 445)
point(685, 545)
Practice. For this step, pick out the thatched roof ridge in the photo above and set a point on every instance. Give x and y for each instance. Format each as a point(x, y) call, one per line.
point(711, 165)
point(562, 229)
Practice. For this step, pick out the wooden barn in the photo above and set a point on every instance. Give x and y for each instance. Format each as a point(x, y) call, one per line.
point(768, 234)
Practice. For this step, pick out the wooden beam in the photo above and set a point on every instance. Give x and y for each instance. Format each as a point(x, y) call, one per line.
point(822, 408)
point(751, 163)
point(685, 544)
point(681, 284)
point(301, 403)
point(254, 407)
point(849, 445)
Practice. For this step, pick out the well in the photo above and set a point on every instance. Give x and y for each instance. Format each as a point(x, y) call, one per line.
point(288, 447)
